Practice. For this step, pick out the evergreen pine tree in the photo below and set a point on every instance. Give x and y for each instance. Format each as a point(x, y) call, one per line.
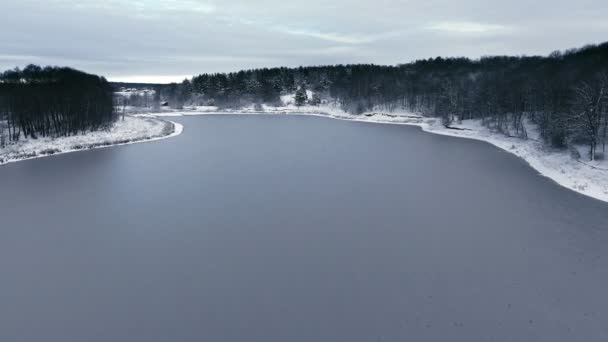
point(301, 97)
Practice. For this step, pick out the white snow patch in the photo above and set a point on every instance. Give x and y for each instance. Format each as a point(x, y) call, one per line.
point(127, 92)
point(290, 99)
point(131, 130)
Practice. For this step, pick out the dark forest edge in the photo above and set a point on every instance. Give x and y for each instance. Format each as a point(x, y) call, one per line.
point(53, 102)
point(565, 93)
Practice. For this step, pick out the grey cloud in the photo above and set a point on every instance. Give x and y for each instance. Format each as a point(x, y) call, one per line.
point(127, 39)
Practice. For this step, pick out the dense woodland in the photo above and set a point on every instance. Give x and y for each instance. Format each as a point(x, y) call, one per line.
point(53, 101)
point(565, 93)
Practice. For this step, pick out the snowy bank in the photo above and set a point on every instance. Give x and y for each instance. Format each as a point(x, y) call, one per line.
point(128, 131)
point(590, 179)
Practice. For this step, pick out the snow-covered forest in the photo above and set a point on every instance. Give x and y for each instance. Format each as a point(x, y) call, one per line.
point(565, 94)
point(52, 110)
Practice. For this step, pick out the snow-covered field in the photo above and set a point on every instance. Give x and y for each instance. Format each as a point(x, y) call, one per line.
point(128, 131)
point(587, 178)
point(139, 92)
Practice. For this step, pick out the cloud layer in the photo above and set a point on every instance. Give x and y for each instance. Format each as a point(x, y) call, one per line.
point(170, 39)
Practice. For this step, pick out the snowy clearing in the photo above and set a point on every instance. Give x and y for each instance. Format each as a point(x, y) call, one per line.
point(128, 131)
point(584, 177)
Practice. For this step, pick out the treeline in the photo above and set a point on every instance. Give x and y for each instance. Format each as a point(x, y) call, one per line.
point(53, 101)
point(565, 93)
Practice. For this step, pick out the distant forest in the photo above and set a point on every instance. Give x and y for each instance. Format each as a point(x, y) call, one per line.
point(53, 101)
point(565, 93)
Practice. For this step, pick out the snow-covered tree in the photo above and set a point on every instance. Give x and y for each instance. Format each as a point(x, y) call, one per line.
point(315, 100)
point(301, 97)
point(587, 111)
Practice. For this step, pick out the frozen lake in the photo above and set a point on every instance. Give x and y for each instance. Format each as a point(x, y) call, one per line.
point(298, 229)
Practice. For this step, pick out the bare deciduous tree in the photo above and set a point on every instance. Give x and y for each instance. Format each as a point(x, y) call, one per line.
point(587, 111)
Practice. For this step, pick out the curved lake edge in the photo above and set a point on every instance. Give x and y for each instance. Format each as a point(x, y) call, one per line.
point(139, 137)
point(260, 222)
point(564, 176)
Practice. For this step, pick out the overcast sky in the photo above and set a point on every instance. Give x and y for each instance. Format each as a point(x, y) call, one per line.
point(167, 40)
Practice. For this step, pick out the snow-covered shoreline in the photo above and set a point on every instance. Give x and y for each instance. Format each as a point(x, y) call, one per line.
point(131, 130)
point(589, 179)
